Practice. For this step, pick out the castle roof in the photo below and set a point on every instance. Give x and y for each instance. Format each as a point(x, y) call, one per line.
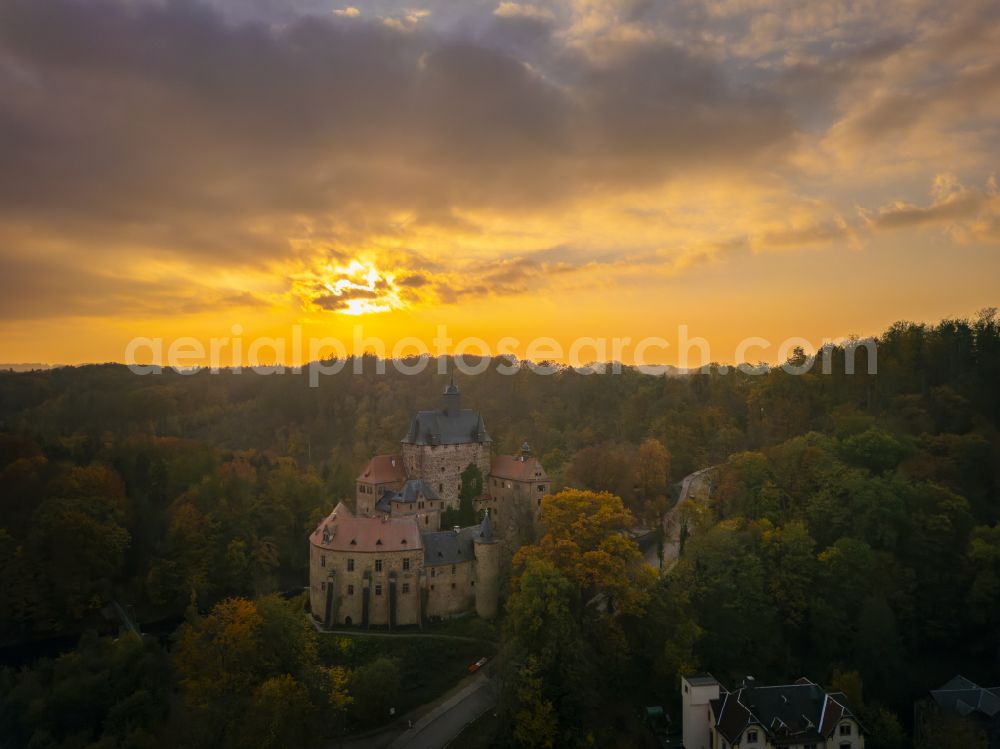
point(450, 547)
point(449, 425)
point(342, 530)
point(485, 534)
point(517, 468)
point(411, 491)
point(383, 469)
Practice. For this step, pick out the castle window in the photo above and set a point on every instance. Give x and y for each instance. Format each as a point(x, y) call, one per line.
point(541, 487)
point(322, 560)
point(350, 565)
point(378, 565)
point(350, 590)
point(433, 572)
point(440, 487)
point(432, 586)
point(322, 586)
point(361, 488)
point(378, 589)
point(453, 569)
point(406, 587)
point(427, 519)
point(453, 586)
point(472, 584)
point(406, 563)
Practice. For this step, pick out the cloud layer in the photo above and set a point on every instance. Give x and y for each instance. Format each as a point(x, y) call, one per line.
point(482, 149)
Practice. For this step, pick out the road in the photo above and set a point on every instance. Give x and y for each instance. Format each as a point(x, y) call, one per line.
point(433, 726)
point(695, 487)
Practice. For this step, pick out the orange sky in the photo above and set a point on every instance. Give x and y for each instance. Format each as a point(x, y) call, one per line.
point(567, 169)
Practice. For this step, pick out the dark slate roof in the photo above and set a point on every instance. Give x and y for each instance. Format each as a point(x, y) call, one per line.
point(449, 425)
point(787, 713)
point(963, 696)
point(485, 534)
point(438, 428)
point(384, 503)
point(450, 547)
point(409, 492)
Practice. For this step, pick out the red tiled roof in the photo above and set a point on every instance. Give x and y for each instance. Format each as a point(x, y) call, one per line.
point(383, 469)
point(514, 468)
point(347, 532)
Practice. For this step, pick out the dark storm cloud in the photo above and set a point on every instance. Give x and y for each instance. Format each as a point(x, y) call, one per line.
point(165, 122)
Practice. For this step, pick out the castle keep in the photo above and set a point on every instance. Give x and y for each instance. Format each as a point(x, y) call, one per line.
point(388, 562)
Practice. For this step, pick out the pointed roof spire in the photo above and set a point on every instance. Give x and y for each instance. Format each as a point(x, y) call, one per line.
point(486, 528)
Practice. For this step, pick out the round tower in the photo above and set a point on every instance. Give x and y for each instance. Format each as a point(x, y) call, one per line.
point(487, 552)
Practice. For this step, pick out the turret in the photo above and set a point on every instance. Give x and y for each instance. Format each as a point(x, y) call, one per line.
point(487, 552)
point(452, 400)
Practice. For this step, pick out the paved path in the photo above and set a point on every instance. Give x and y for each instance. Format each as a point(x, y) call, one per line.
point(443, 724)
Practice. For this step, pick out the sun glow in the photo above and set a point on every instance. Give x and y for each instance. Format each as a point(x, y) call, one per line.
point(357, 288)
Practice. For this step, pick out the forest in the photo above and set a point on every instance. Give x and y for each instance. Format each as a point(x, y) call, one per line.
point(852, 538)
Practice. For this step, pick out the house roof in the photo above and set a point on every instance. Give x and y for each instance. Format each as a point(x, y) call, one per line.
point(383, 469)
point(517, 468)
point(964, 696)
point(786, 713)
point(342, 530)
point(450, 547)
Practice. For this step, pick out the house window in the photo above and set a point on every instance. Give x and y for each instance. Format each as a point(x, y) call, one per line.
point(350, 590)
point(406, 587)
point(808, 746)
point(378, 565)
point(322, 560)
point(350, 565)
point(406, 563)
point(378, 589)
point(751, 737)
point(845, 729)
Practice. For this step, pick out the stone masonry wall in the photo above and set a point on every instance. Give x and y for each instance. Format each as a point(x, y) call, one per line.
point(441, 466)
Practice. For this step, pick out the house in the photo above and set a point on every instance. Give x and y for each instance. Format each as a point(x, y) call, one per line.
point(800, 715)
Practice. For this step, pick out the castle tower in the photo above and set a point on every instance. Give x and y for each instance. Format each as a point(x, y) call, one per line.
point(487, 570)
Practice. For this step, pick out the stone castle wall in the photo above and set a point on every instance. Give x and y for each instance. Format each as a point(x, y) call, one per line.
point(441, 466)
point(450, 593)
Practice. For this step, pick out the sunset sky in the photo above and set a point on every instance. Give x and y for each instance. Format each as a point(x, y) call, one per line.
point(763, 168)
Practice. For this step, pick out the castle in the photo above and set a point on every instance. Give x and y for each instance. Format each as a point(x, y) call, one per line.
point(388, 562)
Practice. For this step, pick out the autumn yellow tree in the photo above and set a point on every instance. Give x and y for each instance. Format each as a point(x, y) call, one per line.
point(584, 535)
